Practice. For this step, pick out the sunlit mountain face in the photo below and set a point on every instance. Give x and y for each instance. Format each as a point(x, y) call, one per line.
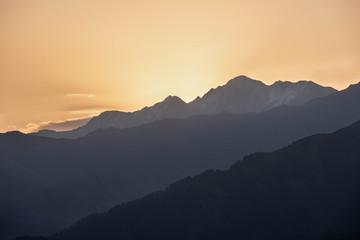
point(179, 119)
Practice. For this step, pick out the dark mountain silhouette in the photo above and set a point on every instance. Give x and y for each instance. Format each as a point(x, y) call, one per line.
point(304, 191)
point(239, 95)
point(42, 178)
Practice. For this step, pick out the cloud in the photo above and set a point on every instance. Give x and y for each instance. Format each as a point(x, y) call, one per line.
point(80, 95)
point(64, 125)
point(76, 107)
point(88, 112)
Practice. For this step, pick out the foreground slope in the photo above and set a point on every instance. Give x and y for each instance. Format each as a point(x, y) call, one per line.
point(303, 191)
point(239, 95)
point(46, 184)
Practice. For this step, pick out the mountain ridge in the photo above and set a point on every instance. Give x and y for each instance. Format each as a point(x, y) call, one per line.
point(238, 95)
point(110, 166)
point(307, 190)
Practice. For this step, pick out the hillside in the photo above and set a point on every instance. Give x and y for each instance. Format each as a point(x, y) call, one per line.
point(69, 179)
point(308, 190)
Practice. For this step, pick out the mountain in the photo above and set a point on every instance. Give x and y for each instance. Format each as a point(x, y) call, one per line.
point(243, 95)
point(62, 125)
point(306, 190)
point(239, 95)
point(46, 184)
point(171, 107)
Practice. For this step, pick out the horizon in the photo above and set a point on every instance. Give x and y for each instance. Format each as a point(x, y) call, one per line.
point(71, 60)
point(70, 124)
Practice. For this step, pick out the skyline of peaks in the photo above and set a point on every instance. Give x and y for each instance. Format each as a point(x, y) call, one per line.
point(239, 95)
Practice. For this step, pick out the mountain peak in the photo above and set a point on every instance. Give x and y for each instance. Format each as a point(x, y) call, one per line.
point(239, 95)
point(305, 86)
point(278, 82)
point(355, 85)
point(173, 100)
point(170, 97)
point(300, 82)
point(243, 79)
point(14, 133)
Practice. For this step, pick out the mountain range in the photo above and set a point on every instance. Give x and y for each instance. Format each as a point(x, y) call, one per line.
point(239, 95)
point(307, 190)
point(46, 184)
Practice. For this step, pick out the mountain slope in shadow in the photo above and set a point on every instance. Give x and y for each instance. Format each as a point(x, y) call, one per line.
point(49, 183)
point(239, 95)
point(304, 191)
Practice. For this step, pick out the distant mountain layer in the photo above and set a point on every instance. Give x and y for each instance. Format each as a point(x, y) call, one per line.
point(47, 184)
point(245, 95)
point(308, 190)
point(239, 95)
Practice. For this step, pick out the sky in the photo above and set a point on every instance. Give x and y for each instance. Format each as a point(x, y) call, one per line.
point(68, 60)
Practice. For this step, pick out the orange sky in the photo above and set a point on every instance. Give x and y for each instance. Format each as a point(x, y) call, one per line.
point(71, 59)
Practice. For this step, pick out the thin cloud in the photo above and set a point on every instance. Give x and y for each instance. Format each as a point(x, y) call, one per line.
point(89, 112)
point(80, 95)
point(96, 106)
point(64, 125)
